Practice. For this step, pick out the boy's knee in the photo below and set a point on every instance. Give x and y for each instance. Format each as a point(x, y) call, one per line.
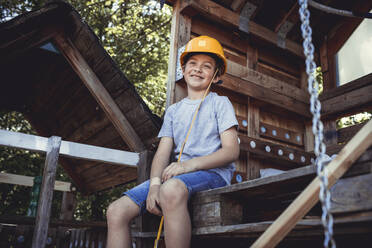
point(121, 211)
point(172, 193)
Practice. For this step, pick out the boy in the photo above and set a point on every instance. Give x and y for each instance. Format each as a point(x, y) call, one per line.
point(207, 158)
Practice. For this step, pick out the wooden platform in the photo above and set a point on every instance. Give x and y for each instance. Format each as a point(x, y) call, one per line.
point(247, 209)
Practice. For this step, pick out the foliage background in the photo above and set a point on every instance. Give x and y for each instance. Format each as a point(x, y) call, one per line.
point(136, 35)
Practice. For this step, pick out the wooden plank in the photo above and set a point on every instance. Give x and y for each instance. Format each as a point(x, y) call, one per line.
point(46, 193)
point(227, 38)
point(330, 132)
point(339, 106)
point(68, 206)
point(268, 82)
point(256, 228)
point(180, 35)
point(348, 87)
point(96, 88)
point(258, 92)
point(237, 4)
point(284, 62)
point(352, 194)
point(144, 166)
point(307, 199)
point(346, 133)
point(281, 134)
point(291, 15)
point(29, 181)
point(26, 41)
point(253, 118)
point(220, 14)
point(308, 137)
point(24, 220)
point(291, 156)
point(69, 149)
point(352, 224)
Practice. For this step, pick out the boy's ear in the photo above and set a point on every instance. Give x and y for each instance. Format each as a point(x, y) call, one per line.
point(216, 79)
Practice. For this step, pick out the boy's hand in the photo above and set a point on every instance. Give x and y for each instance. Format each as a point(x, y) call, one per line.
point(176, 168)
point(152, 201)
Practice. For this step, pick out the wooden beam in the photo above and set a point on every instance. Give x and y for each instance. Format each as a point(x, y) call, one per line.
point(291, 15)
point(352, 194)
point(68, 206)
point(354, 101)
point(281, 134)
point(216, 12)
point(248, 88)
point(46, 193)
point(265, 81)
point(294, 157)
point(346, 133)
point(310, 196)
point(253, 121)
point(99, 92)
point(236, 5)
point(69, 149)
point(347, 87)
point(180, 35)
point(29, 181)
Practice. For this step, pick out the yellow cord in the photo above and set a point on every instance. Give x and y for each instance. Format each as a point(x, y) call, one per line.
point(181, 151)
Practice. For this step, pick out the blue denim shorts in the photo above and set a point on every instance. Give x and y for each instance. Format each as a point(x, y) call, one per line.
point(194, 181)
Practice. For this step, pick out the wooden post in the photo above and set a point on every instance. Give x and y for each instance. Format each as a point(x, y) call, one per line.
point(253, 165)
point(46, 195)
point(144, 166)
point(309, 137)
point(309, 197)
point(330, 132)
point(180, 35)
point(68, 206)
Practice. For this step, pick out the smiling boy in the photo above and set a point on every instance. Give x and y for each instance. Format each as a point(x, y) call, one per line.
point(207, 158)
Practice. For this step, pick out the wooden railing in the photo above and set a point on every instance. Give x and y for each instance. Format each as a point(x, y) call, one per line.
point(53, 147)
point(18, 232)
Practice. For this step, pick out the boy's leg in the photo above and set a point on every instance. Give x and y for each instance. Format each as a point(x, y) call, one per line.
point(174, 195)
point(177, 223)
point(119, 215)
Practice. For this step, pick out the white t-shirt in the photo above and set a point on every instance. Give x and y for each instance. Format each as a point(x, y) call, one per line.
point(216, 114)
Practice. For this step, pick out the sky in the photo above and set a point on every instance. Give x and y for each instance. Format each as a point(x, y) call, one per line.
point(355, 57)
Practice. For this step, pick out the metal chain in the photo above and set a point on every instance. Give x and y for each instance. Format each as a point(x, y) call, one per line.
point(315, 107)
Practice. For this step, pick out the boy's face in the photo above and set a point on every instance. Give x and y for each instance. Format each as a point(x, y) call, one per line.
point(199, 71)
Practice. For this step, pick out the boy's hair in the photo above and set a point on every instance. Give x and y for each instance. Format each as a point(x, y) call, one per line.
point(219, 63)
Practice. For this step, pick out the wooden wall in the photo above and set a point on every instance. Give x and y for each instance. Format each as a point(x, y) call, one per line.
point(265, 83)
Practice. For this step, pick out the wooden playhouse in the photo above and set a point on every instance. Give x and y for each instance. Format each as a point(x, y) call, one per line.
point(267, 84)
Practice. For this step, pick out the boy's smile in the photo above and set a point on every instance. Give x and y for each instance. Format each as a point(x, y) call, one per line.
point(198, 72)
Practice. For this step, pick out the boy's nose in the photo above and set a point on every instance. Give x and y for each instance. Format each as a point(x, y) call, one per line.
point(197, 68)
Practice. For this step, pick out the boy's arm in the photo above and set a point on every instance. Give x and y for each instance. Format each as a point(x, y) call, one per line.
point(160, 161)
point(229, 152)
point(161, 157)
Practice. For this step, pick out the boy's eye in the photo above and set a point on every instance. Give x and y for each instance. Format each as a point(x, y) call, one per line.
point(207, 66)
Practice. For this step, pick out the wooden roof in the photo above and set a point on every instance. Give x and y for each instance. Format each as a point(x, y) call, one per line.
point(48, 60)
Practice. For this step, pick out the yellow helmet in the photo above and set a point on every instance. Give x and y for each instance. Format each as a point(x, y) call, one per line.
point(205, 44)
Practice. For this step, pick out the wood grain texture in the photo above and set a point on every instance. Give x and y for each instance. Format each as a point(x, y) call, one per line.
point(218, 13)
point(46, 193)
point(307, 199)
point(96, 88)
